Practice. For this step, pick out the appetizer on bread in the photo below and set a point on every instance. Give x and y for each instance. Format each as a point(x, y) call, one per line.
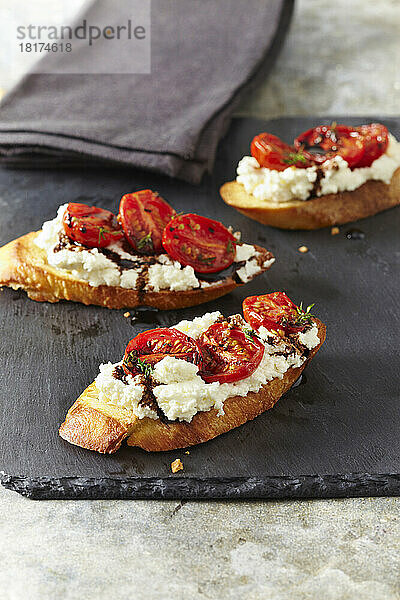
point(184, 385)
point(147, 256)
point(332, 174)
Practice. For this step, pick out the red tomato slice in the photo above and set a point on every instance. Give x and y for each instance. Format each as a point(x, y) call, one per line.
point(271, 152)
point(143, 216)
point(91, 226)
point(326, 141)
point(375, 139)
point(229, 355)
point(273, 311)
point(204, 244)
point(149, 347)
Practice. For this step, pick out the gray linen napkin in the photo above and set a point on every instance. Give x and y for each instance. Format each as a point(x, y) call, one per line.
point(205, 56)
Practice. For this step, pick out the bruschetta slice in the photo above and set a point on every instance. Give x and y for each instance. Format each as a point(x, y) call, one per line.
point(148, 256)
point(184, 385)
point(331, 175)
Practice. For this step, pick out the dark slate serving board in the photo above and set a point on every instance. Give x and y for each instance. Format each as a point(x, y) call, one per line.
point(337, 435)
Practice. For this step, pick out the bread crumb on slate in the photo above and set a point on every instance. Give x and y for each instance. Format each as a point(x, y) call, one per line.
point(187, 452)
point(177, 465)
point(335, 230)
point(303, 249)
point(127, 314)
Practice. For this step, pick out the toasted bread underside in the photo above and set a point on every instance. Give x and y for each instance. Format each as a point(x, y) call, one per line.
point(102, 427)
point(24, 266)
point(331, 209)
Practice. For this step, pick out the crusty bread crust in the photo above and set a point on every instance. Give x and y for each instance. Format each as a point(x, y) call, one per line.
point(96, 425)
point(24, 266)
point(101, 427)
point(324, 211)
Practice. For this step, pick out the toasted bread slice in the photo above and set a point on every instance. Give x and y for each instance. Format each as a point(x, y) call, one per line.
point(102, 427)
point(332, 209)
point(23, 265)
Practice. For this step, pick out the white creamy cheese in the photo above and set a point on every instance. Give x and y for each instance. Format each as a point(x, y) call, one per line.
point(245, 252)
point(182, 393)
point(125, 395)
point(309, 338)
point(91, 265)
point(248, 254)
point(297, 184)
point(199, 325)
point(172, 276)
point(249, 270)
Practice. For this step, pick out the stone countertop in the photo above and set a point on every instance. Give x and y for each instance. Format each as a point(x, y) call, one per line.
point(340, 57)
point(149, 550)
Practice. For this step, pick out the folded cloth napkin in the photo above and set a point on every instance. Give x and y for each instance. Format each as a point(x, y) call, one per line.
point(205, 55)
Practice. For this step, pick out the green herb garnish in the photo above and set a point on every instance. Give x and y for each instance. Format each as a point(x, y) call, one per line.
point(101, 233)
point(294, 157)
point(250, 334)
point(206, 260)
point(303, 316)
point(229, 247)
point(144, 367)
point(145, 241)
point(103, 230)
point(133, 363)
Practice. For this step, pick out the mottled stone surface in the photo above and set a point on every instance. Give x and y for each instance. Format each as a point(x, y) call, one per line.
point(341, 57)
point(233, 550)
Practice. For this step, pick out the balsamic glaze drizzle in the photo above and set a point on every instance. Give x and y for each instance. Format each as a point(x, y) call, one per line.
point(355, 234)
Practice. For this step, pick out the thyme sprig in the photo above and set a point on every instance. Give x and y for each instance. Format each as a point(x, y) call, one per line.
point(250, 334)
point(133, 363)
point(145, 368)
point(103, 230)
point(295, 157)
point(229, 247)
point(304, 317)
point(208, 260)
point(147, 240)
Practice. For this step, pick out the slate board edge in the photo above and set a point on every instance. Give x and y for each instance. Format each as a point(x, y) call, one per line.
point(316, 486)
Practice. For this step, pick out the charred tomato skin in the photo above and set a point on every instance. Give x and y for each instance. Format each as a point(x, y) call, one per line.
point(91, 226)
point(376, 140)
point(358, 146)
point(274, 311)
point(143, 216)
point(155, 344)
point(229, 355)
point(273, 153)
point(199, 242)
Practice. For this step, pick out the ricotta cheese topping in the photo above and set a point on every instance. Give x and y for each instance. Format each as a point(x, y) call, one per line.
point(331, 177)
point(179, 390)
point(92, 265)
point(125, 395)
point(199, 325)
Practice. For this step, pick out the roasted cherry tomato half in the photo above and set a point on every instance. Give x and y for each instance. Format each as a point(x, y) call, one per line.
point(273, 311)
point(375, 138)
point(204, 244)
point(91, 226)
point(229, 354)
point(271, 152)
point(149, 347)
point(143, 216)
point(326, 141)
